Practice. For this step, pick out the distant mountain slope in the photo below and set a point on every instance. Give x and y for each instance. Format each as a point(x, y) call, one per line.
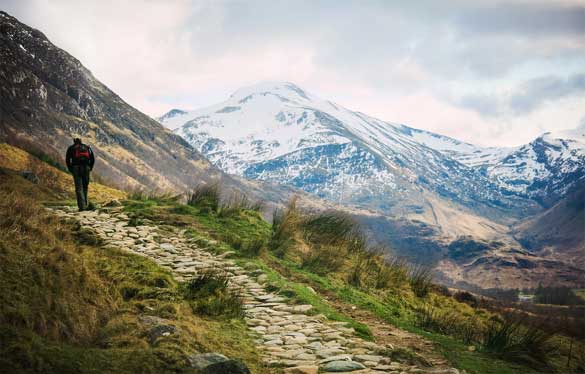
point(559, 232)
point(468, 154)
point(280, 133)
point(544, 169)
point(47, 96)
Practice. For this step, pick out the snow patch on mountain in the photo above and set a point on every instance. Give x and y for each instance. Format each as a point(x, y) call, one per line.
point(546, 167)
point(280, 133)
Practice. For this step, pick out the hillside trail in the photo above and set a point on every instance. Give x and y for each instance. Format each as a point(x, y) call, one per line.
point(288, 335)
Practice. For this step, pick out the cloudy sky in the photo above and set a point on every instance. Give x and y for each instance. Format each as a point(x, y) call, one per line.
point(489, 72)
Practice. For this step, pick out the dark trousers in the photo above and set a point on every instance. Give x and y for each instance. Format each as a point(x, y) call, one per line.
point(81, 179)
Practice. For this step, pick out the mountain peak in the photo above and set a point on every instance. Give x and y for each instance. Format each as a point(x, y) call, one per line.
point(171, 114)
point(285, 90)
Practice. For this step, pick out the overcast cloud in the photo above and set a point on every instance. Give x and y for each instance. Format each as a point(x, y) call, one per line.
point(488, 72)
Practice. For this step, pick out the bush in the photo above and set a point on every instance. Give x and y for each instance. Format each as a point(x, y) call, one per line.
point(253, 247)
point(448, 322)
point(205, 196)
point(330, 237)
point(433, 319)
point(333, 229)
point(323, 259)
point(556, 296)
point(421, 279)
point(237, 203)
point(465, 297)
point(393, 272)
point(511, 340)
point(209, 294)
point(284, 228)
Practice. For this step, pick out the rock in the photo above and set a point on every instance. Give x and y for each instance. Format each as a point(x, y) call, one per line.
point(301, 370)
point(364, 358)
point(301, 308)
point(152, 320)
point(305, 357)
point(167, 247)
point(113, 203)
point(289, 340)
point(30, 176)
point(160, 330)
point(443, 371)
point(344, 357)
point(384, 368)
point(201, 361)
point(328, 352)
point(342, 366)
point(227, 367)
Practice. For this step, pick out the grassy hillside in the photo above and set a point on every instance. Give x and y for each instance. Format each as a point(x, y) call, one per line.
point(69, 305)
point(52, 178)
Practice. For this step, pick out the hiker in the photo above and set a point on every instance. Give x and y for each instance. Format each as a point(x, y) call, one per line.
point(80, 160)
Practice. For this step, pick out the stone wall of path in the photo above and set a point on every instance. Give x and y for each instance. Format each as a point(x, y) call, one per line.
point(288, 335)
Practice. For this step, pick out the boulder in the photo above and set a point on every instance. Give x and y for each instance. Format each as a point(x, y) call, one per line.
point(342, 366)
point(302, 370)
point(160, 330)
point(227, 367)
point(113, 203)
point(201, 361)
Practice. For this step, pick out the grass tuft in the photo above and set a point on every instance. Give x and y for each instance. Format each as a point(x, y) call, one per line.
point(209, 294)
point(205, 197)
point(514, 341)
point(421, 279)
point(237, 203)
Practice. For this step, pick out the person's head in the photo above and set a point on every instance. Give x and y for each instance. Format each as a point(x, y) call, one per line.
point(77, 141)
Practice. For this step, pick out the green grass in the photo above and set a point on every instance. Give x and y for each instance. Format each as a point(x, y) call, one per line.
point(397, 304)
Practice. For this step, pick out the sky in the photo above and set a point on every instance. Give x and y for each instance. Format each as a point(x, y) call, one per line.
point(489, 72)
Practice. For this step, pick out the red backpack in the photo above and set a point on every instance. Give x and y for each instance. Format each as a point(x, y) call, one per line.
point(81, 153)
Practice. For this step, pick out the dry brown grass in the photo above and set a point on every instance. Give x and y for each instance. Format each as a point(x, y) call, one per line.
point(53, 292)
point(51, 178)
point(67, 305)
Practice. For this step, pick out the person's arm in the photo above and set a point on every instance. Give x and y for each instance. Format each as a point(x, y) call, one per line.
point(68, 158)
point(91, 158)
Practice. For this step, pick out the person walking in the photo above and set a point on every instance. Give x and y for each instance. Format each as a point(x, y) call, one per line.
point(80, 161)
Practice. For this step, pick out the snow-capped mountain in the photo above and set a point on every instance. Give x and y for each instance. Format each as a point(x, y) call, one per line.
point(468, 154)
point(280, 133)
point(413, 189)
point(543, 170)
point(546, 168)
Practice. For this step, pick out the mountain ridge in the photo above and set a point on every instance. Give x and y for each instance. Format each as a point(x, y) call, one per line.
point(424, 188)
point(265, 139)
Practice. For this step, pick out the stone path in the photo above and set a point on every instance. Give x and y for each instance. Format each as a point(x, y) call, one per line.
point(287, 334)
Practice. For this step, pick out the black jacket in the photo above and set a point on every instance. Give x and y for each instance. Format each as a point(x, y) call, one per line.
point(70, 157)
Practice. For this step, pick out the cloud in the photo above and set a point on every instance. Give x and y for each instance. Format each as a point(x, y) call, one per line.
point(527, 97)
point(530, 19)
point(457, 56)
